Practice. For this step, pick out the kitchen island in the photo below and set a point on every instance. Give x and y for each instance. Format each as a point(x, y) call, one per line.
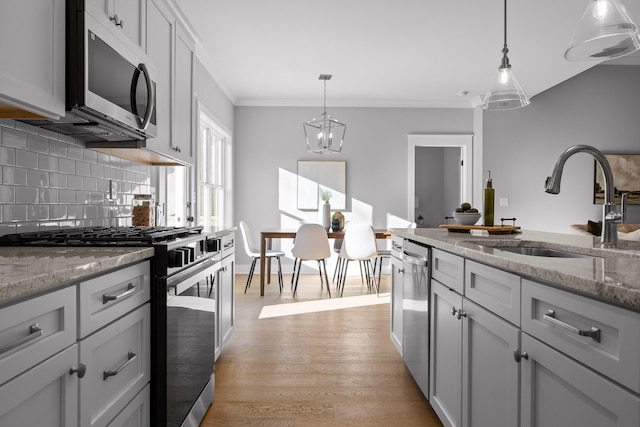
point(608, 274)
point(526, 340)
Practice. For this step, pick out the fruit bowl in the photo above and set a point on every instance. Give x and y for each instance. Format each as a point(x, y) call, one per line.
point(466, 218)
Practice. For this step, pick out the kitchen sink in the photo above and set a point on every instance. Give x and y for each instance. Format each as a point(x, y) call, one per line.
point(541, 252)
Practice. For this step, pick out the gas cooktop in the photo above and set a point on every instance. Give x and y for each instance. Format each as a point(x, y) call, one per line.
point(126, 236)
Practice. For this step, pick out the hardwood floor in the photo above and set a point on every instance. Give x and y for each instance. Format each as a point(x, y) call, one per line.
point(308, 363)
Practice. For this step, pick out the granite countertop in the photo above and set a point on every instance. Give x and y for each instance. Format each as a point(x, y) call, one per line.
point(611, 275)
point(32, 270)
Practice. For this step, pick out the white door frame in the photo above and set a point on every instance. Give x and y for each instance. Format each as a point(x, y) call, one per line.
point(468, 157)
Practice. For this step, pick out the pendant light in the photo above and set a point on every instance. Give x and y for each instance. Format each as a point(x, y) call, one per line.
point(323, 133)
point(505, 93)
point(606, 31)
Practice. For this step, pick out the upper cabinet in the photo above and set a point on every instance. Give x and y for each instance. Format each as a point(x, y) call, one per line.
point(171, 49)
point(33, 54)
point(128, 15)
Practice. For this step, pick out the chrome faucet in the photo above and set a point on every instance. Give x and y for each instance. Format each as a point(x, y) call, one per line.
point(610, 217)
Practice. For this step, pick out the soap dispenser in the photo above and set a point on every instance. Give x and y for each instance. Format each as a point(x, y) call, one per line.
point(488, 203)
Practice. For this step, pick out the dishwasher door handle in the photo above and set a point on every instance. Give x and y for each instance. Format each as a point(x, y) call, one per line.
point(414, 259)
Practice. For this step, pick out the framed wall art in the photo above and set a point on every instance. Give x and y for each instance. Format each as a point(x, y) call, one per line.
point(317, 176)
point(626, 178)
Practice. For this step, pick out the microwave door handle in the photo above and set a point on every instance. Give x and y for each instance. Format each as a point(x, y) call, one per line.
point(150, 95)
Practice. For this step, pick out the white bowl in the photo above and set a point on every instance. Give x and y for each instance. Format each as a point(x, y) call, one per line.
point(466, 218)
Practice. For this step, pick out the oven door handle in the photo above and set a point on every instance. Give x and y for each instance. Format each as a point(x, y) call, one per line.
point(186, 276)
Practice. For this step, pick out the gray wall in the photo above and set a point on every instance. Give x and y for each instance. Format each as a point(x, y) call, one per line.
point(599, 107)
point(437, 183)
point(270, 140)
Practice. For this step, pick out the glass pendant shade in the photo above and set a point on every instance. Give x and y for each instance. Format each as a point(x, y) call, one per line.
point(505, 93)
point(606, 31)
point(324, 134)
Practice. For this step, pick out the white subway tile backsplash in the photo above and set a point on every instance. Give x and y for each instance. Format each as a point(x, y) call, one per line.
point(14, 213)
point(67, 166)
point(75, 153)
point(7, 194)
point(66, 196)
point(26, 195)
point(89, 183)
point(37, 212)
point(14, 138)
point(26, 159)
point(14, 176)
point(37, 178)
point(7, 156)
point(50, 180)
point(74, 182)
point(47, 162)
point(37, 143)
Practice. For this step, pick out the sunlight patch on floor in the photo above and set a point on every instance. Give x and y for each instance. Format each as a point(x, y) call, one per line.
point(322, 305)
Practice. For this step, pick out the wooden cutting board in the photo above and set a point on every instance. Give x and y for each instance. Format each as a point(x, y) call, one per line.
point(496, 229)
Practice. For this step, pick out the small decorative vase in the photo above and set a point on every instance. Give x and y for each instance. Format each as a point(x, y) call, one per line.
point(335, 224)
point(325, 213)
point(338, 216)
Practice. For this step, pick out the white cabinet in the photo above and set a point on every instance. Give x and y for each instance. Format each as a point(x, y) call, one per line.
point(44, 396)
point(397, 279)
point(226, 289)
point(558, 391)
point(160, 48)
point(183, 113)
point(127, 15)
point(445, 387)
point(32, 75)
point(171, 49)
point(55, 370)
point(474, 376)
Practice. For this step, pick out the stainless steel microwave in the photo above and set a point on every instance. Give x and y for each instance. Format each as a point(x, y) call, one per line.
point(109, 79)
point(110, 87)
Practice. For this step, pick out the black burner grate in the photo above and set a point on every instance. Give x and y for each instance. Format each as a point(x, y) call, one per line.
point(127, 236)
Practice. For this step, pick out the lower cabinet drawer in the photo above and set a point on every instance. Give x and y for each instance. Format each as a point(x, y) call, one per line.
point(494, 289)
point(105, 298)
point(602, 336)
point(118, 367)
point(448, 269)
point(36, 329)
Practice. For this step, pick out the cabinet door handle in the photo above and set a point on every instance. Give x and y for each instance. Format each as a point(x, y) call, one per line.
point(130, 290)
point(80, 370)
point(35, 332)
point(130, 357)
point(594, 333)
point(520, 355)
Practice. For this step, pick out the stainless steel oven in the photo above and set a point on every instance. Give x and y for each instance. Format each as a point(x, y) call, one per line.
point(191, 331)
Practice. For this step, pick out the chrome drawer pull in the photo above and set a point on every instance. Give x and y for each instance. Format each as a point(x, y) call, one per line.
point(594, 333)
point(35, 332)
point(130, 356)
point(130, 290)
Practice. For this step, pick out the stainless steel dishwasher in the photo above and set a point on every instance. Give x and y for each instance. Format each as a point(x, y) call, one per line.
point(415, 312)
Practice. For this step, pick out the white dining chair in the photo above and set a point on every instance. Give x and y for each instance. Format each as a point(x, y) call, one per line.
point(311, 243)
point(359, 244)
point(250, 249)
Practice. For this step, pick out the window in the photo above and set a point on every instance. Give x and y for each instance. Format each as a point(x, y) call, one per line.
point(214, 173)
point(177, 191)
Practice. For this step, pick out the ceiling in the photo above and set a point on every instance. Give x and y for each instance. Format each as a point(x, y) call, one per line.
point(385, 53)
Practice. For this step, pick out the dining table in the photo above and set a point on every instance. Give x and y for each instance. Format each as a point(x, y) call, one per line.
point(266, 239)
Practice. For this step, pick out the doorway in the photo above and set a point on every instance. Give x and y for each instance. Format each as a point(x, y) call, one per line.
point(444, 190)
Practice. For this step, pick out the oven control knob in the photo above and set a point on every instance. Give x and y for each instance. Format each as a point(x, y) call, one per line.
point(175, 258)
point(212, 245)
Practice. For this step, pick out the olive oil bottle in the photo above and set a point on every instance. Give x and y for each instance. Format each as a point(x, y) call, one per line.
point(489, 194)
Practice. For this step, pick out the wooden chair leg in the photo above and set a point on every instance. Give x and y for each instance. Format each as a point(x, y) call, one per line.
point(296, 275)
point(320, 272)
